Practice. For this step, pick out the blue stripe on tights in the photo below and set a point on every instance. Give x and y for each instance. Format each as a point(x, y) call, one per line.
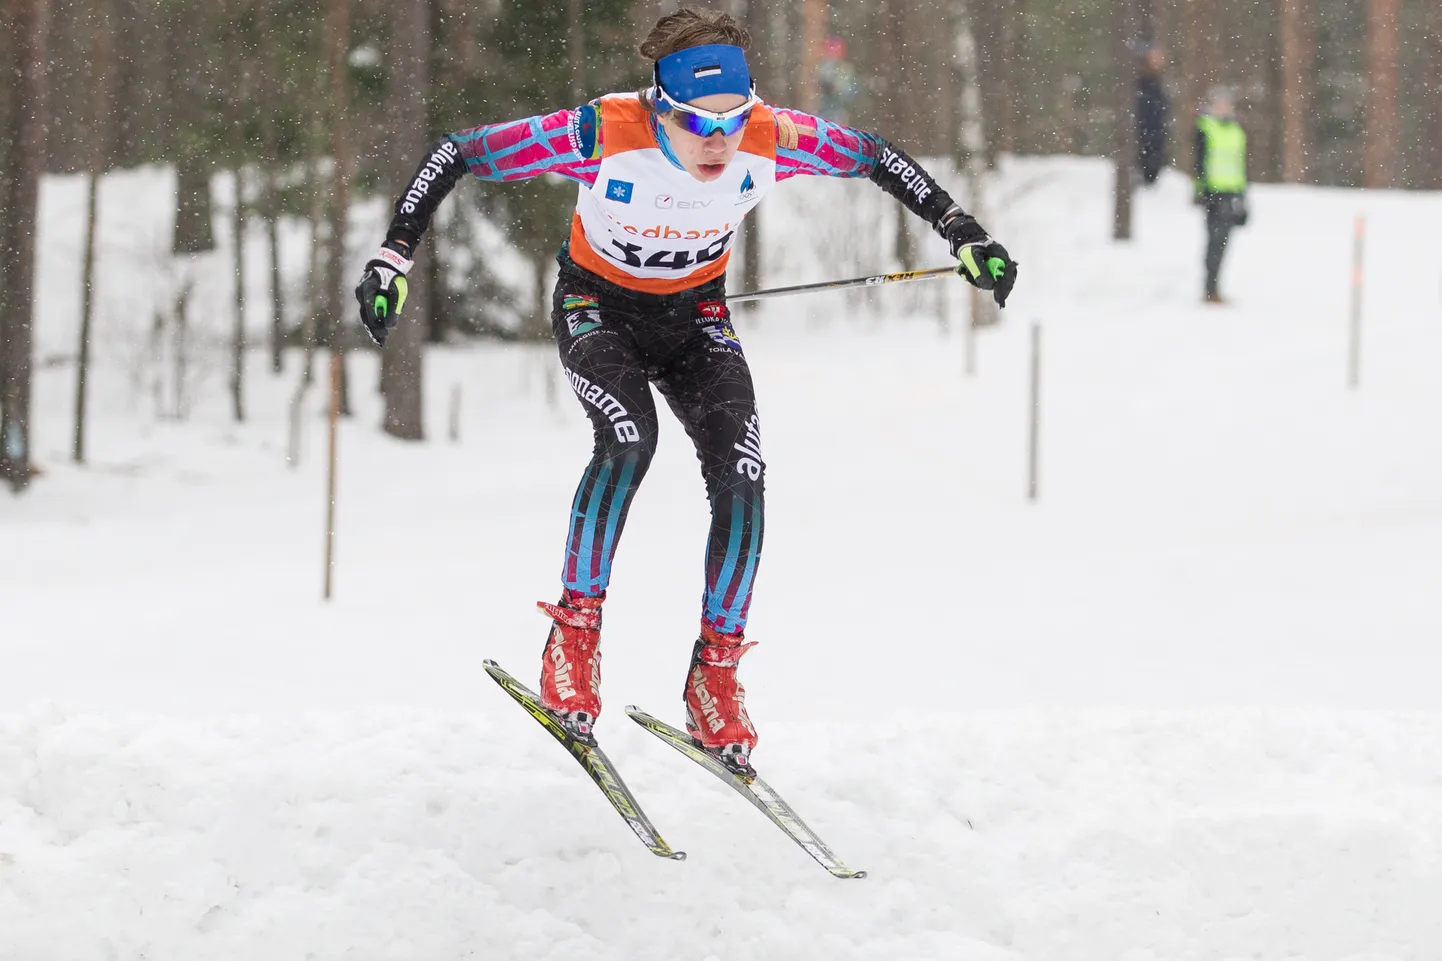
point(586, 543)
point(571, 535)
point(588, 532)
point(613, 519)
point(715, 606)
point(736, 616)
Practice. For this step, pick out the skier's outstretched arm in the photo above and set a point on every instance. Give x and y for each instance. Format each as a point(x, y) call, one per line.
point(565, 142)
point(811, 146)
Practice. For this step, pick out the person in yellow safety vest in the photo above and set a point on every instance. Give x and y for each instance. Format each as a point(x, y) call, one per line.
point(1221, 180)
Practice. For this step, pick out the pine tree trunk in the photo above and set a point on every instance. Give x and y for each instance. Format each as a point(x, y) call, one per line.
point(103, 76)
point(767, 22)
point(337, 41)
point(772, 26)
point(269, 169)
point(237, 344)
point(1199, 65)
point(972, 139)
point(271, 173)
point(1124, 104)
point(185, 106)
point(402, 363)
point(1432, 100)
point(87, 311)
point(334, 300)
point(237, 233)
point(576, 48)
point(1298, 18)
point(1379, 149)
point(814, 14)
point(435, 297)
point(29, 21)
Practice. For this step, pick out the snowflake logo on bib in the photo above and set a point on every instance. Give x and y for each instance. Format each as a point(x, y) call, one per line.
point(619, 191)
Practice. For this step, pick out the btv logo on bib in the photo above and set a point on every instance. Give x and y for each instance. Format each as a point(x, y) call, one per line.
point(667, 202)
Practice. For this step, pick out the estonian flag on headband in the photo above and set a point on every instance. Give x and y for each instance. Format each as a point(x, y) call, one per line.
point(702, 71)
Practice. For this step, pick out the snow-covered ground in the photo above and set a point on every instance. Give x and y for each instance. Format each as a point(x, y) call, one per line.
point(1184, 708)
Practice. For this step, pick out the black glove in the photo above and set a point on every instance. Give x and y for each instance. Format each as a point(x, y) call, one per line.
point(984, 262)
point(382, 291)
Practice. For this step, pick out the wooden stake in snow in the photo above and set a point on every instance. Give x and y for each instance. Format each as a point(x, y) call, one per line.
point(1033, 444)
point(330, 478)
point(455, 431)
point(1354, 355)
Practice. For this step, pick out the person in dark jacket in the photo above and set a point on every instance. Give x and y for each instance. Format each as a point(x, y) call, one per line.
point(1152, 110)
point(1221, 181)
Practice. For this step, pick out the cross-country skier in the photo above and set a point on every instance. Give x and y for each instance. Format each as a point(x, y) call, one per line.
point(665, 177)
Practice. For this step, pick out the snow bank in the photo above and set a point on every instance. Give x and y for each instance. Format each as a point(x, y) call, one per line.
point(1100, 835)
point(1182, 709)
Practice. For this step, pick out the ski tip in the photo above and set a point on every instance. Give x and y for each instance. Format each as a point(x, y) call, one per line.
point(677, 855)
point(849, 875)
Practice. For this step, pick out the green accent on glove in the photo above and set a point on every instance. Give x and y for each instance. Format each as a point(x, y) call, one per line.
point(383, 300)
point(968, 260)
point(996, 266)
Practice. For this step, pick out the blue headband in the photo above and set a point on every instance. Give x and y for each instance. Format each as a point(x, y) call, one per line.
point(703, 71)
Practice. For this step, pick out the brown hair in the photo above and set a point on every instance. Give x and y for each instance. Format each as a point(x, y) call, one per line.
point(688, 28)
point(692, 28)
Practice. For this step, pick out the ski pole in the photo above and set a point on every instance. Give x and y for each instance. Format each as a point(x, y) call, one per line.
point(874, 281)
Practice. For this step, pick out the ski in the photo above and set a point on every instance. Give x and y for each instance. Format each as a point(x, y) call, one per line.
point(749, 785)
point(593, 759)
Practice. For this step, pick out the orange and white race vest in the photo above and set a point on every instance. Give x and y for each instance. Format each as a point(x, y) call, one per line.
point(648, 225)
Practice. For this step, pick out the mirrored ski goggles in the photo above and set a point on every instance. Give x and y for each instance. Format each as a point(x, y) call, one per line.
point(703, 123)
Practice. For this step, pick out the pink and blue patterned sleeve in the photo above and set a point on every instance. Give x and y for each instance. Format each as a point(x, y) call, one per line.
point(566, 142)
point(813, 147)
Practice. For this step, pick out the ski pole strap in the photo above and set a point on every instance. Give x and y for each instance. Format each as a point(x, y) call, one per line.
point(873, 281)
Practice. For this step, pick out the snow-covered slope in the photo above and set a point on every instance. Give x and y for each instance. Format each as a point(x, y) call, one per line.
point(1184, 707)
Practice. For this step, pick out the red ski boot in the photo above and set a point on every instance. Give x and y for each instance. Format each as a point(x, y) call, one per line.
point(716, 702)
point(571, 662)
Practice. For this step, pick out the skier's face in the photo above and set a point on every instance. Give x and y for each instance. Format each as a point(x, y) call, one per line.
point(706, 158)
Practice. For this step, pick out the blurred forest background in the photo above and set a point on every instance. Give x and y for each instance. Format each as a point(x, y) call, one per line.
point(318, 104)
